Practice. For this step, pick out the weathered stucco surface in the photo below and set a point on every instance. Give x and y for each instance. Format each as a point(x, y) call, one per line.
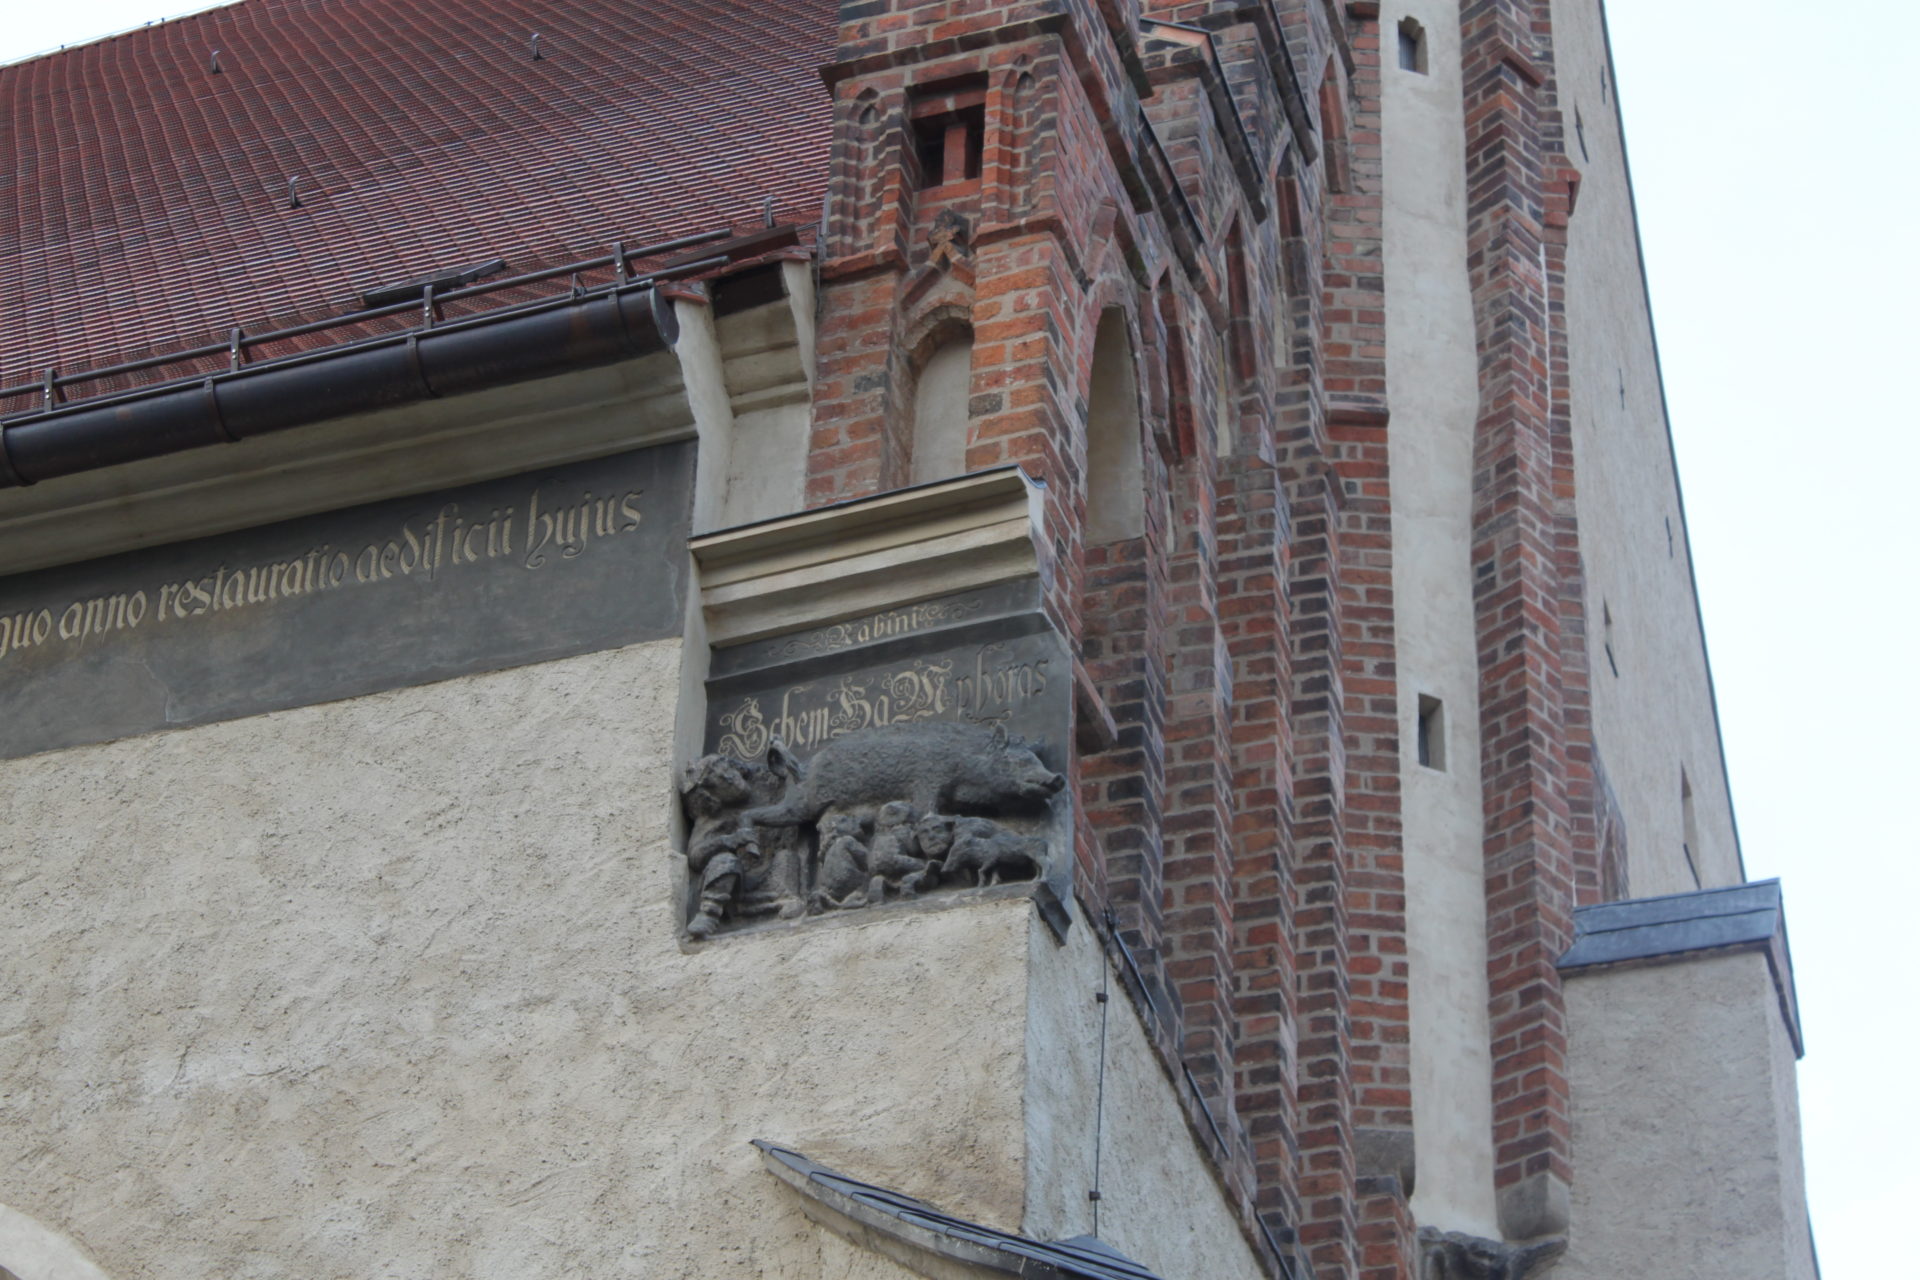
point(1433, 385)
point(1655, 717)
point(1686, 1131)
point(393, 987)
point(1161, 1203)
point(33, 1251)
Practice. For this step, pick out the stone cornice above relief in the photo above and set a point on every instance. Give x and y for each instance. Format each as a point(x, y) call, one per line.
point(878, 553)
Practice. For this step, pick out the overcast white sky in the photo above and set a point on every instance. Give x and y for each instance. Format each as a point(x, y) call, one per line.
point(1774, 149)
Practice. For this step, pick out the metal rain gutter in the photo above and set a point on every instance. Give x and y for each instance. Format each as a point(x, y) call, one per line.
point(429, 362)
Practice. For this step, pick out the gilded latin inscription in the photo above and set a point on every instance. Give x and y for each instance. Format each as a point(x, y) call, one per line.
point(533, 536)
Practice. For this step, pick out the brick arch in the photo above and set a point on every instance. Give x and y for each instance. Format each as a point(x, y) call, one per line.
point(931, 327)
point(1113, 289)
point(1117, 478)
point(1181, 435)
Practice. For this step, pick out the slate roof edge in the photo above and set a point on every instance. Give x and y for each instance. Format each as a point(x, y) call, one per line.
point(991, 1251)
point(1645, 932)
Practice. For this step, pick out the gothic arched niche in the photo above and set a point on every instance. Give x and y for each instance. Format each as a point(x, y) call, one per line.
point(1116, 483)
point(940, 393)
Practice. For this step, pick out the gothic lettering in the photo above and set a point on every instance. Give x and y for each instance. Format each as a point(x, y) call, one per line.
point(417, 548)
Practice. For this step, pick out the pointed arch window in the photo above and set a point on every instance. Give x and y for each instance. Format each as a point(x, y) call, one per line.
point(940, 419)
point(1116, 480)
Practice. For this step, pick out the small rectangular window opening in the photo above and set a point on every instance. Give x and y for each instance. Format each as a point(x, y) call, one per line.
point(1413, 46)
point(949, 136)
point(1430, 733)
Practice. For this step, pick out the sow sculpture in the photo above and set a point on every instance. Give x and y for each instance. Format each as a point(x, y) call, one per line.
point(886, 812)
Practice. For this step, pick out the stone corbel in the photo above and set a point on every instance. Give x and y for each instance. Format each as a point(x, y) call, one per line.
point(1455, 1255)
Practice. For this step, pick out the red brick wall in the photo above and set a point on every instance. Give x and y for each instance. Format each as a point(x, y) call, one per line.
point(1526, 595)
point(1244, 827)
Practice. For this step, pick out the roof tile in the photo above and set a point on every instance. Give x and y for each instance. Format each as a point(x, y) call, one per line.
point(144, 203)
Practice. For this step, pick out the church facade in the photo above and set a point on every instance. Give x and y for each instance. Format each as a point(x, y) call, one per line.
point(884, 638)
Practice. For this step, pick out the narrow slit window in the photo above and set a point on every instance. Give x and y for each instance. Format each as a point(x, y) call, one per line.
point(1606, 638)
point(1689, 830)
point(1430, 733)
point(1413, 46)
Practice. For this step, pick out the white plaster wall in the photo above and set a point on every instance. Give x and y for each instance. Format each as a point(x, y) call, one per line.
point(392, 987)
point(1161, 1203)
point(31, 1251)
point(1433, 386)
point(1655, 717)
point(843, 1259)
point(1686, 1135)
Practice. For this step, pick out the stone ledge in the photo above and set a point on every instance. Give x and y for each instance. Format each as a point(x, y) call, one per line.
point(869, 554)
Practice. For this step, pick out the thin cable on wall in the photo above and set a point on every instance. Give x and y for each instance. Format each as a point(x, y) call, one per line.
point(1100, 1089)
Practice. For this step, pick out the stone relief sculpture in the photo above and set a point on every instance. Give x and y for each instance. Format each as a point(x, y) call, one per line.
point(876, 814)
point(1455, 1255)
point(735, 870)
point(980, 851)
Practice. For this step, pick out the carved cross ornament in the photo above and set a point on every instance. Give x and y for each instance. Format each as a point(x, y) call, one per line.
point(947, 240)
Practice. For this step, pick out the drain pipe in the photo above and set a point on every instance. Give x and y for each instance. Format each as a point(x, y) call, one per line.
point(429, 362)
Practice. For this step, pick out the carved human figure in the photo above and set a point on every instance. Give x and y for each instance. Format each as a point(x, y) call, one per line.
point(842, 878)
point(734, 866)
point(892, 858)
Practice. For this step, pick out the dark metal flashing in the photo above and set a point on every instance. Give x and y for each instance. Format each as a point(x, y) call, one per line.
point(386, 295)
point(430, 362)
point(754, 287)
point(919, 1225)
point(1681, 926)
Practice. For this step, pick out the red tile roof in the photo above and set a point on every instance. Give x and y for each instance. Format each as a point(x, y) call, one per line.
point(144, 206)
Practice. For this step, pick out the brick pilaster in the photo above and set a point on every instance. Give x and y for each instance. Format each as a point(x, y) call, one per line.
point(1253, 542)
point(1326, 1178)
point(1518, 613)
point(1199, 888)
